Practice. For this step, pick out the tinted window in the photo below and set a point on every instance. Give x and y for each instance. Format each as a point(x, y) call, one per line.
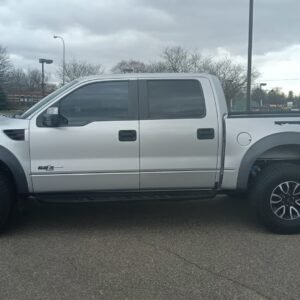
point(104, 101)
point(46, 100)
point(175, 99)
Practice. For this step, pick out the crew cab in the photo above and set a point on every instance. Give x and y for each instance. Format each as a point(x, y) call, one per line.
point(150, 136)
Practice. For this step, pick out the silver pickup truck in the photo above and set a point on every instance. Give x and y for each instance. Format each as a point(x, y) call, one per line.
point(155, 136)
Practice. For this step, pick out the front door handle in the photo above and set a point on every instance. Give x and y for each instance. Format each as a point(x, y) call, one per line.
point(205, 134)
point(127, 135)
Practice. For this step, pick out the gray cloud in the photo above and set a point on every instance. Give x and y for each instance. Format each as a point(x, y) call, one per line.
point(214, 23)
point(105, 31)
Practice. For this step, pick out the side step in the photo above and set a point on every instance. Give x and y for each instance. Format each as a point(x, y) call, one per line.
point(125, 196)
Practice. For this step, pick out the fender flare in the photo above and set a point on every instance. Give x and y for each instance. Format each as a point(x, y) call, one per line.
point(261, 146)
point(16, 169)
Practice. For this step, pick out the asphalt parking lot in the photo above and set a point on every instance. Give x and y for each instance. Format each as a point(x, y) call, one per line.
point(210, 249)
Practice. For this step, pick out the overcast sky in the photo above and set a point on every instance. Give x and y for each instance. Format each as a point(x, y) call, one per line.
point(106, 31)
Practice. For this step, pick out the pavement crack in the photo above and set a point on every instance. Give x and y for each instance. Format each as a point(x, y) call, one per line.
point(201, 268)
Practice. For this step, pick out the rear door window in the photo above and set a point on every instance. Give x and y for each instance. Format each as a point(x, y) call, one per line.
point(175, 99)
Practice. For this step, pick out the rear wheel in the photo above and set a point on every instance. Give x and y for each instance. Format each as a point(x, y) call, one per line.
point(6, 200)
point(276, 194)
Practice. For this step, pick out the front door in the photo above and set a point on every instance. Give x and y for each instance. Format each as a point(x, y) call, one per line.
point(179, 134)
point(96, 147)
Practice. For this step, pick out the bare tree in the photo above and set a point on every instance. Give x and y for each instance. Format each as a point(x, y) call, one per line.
point(130, 66)
point(176, 59)
point(25, 81)
point(157, 67)
point(133, 66)
point(233, 75)
point(34, 79)
point(5, 67)
point(76, 69)
point(16, 80)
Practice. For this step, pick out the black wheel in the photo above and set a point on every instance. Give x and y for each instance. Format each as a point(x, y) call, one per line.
point(6, 200)
point(276, 194)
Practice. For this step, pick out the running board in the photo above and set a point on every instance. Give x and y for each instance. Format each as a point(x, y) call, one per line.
point(125, 196)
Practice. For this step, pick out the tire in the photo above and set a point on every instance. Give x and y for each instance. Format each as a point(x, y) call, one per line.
point(6, 201)
point(276, 195)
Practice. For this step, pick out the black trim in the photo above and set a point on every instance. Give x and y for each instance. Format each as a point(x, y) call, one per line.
point(127, 135)
point(287, 122)
point(125, 195)
point(143, 102)
point(262, 115)
point(15, 134)
point(223, 153)
point(16, 169)
point(205, 134)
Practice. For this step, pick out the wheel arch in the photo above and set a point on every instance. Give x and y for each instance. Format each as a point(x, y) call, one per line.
point(8, 160)
point(259, 148)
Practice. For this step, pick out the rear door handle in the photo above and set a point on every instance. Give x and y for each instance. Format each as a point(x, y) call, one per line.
point(127, 135)
point(205, 134)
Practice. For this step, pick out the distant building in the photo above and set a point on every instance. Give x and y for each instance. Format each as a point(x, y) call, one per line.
point(17, 100)
point(23, 99)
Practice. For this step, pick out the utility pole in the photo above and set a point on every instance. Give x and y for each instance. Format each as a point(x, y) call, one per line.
point(44, 61)
point(250, 46)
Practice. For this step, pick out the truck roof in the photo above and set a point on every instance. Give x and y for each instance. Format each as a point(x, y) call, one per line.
point(144, 76)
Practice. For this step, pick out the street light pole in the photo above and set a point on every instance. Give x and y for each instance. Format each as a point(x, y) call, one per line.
point(250, 44)
point(261, 85)
point(44, 61)
point(64, 55)
point(43, 79)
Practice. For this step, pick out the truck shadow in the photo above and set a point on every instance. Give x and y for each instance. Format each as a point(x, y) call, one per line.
point(221, 212)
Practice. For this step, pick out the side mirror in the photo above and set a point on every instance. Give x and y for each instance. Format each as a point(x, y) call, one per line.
point(51, 118)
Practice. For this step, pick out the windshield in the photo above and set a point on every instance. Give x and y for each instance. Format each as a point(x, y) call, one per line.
point(46, 100)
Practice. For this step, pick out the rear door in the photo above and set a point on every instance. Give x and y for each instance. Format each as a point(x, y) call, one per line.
point(178, 134)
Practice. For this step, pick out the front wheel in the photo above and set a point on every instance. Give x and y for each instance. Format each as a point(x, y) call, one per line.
point(6, 200)
point(276, 194)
